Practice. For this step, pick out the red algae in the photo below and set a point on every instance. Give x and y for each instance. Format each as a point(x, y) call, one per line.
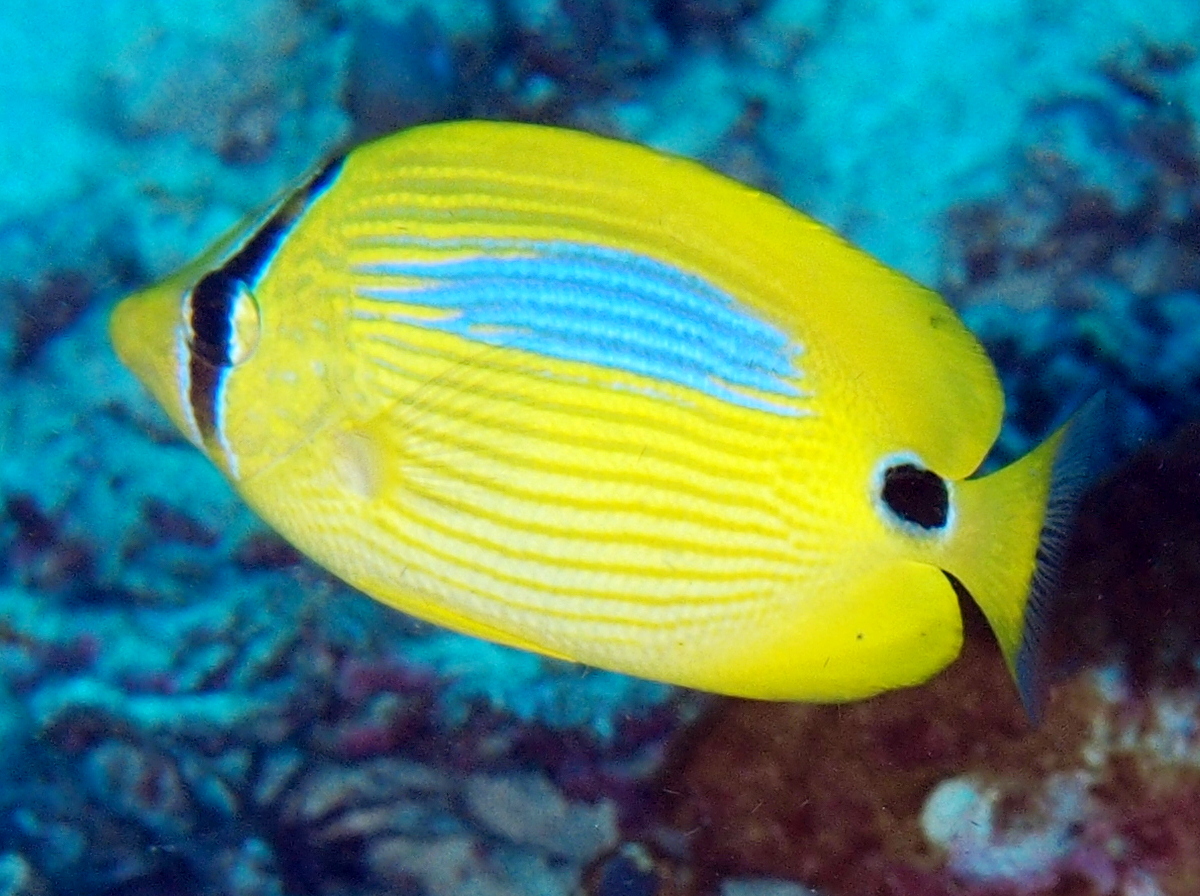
point(832, 796)
point(42, 554)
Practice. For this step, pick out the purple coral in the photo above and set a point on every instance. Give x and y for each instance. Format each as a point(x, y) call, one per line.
point(1027, 851)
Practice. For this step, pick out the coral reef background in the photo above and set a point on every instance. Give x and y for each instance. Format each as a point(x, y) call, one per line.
point(188, 707)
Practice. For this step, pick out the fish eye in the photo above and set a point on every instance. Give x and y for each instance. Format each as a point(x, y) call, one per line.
point(223, 320)
point(916, 496)
point(245, 325)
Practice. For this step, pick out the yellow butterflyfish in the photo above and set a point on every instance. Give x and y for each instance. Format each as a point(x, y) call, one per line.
point(583, 398)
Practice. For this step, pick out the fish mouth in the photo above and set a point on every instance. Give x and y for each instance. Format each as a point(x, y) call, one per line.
point(145, 331)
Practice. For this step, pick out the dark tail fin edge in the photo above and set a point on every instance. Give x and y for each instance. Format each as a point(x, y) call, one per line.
point(1079, 458)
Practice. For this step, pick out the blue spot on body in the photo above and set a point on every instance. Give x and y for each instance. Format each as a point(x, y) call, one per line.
point(601, 306)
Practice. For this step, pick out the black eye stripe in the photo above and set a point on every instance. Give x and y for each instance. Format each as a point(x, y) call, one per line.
point(211, 328)
point(214, 298)
point(321, 181)
point(204, 383)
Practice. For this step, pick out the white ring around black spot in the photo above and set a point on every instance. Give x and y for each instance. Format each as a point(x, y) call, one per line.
point(890, 515)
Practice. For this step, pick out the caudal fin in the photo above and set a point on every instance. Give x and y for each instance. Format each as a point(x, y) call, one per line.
point(1015, 527)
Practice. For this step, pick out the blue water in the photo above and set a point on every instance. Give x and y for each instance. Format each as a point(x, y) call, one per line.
point(188, 707)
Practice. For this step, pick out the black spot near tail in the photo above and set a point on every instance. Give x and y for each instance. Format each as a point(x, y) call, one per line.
point(916, 496)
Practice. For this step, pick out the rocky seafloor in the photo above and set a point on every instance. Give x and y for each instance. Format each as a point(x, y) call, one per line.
point(188, 707)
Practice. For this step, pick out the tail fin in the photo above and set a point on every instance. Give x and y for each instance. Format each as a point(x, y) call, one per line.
point(1014, 526)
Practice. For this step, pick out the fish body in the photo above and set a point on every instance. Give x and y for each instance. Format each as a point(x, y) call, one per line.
point(583, 398)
